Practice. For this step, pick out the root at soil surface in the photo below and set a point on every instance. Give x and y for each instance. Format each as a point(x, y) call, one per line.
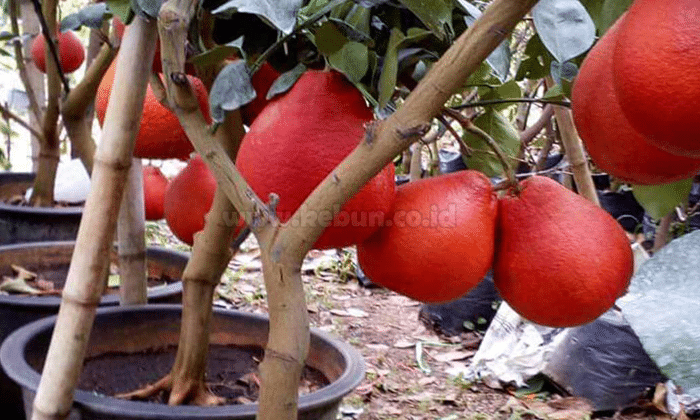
point(184, 392)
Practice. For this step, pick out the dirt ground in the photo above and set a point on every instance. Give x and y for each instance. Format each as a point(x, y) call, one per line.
point(406, 363)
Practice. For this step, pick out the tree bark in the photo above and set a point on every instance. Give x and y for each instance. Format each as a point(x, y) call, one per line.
point(90, 261)
point(49, 147)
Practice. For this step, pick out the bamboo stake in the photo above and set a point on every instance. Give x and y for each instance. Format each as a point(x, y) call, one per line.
point(84, 283)
point(131, 238)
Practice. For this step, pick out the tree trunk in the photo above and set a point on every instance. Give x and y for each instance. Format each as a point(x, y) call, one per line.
point(90, 261)
point(49, 147)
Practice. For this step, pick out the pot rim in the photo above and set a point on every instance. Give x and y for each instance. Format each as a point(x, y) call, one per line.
point(107, 300)
point(76, 211)
point(17, 368)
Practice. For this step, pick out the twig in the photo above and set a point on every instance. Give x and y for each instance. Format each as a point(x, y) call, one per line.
point(487, 102)
point(52, 47)
point(469, 126)
point(531, 132)
point(7, 114)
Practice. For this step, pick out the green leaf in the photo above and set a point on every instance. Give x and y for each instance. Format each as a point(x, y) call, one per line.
point(285, 81)
point(610, 12)
point(231, 90)
point(502, 131)
point(436, 15)
point(120, 8)
point(329, 39)
point(538, 61)
point(507, 90)
point(659, 200)
point(352, 60)
point(387, 80)
point(219, 53)
point(565, 27)
point(280, 13)
point(605, 12)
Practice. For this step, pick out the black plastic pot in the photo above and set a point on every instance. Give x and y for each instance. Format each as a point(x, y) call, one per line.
point(20, 224)
point(134, 329)
point(450, 161)
point(54, 257)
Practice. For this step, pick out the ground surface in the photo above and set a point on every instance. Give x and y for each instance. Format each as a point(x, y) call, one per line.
point(406, 363)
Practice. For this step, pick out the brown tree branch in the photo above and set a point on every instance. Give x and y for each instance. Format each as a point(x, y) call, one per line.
point(574, 151)
point(19, 58)
point(74, 109)
point(9, 115)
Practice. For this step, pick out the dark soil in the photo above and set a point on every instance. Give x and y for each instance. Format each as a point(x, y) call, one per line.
point(232, 373)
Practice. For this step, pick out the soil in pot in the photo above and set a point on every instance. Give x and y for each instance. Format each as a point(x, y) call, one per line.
point(232, 372)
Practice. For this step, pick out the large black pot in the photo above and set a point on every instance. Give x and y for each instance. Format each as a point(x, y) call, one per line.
point(135, 329)
point(33, 224)
point(54, 258)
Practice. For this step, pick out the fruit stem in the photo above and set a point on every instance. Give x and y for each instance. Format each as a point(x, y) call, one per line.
point(469, 126)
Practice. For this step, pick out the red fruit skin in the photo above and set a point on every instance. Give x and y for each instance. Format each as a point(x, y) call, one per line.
point(447, 250)
point(188, 198)
point(657, 72)
point(561, 261)
point(261, 80)
point(611, 141)
point(154, 186)
point(71, 52)
point(299, 138)
point(160, 135)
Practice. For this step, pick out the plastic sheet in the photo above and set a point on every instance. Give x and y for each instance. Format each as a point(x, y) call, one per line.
point(663, 308)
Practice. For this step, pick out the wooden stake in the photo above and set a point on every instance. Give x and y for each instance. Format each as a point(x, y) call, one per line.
point(90, 261)
point(131, 238)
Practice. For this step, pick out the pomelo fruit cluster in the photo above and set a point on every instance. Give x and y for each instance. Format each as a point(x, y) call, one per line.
point(636, 99)
point(557, 259)
point(71, 52)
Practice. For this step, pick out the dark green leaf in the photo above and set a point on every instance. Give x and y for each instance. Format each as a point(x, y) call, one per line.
point(351, 60)
point(436, 15)
point(329, 39)
point(285, 81)
point(387, 79)
point(503, 132)
point(507, 90)
point(70, 23)
point(280, 13)
point(659, 200)
point(120, 8)
point(219, 53)
point(610, 12)
point(564, 26)
point(538, 60)
point(231, 90)
point(4, 53)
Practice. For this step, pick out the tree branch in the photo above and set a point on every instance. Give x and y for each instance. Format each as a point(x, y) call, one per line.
point(7, 114)
point(49, 29)
point(19, 58)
